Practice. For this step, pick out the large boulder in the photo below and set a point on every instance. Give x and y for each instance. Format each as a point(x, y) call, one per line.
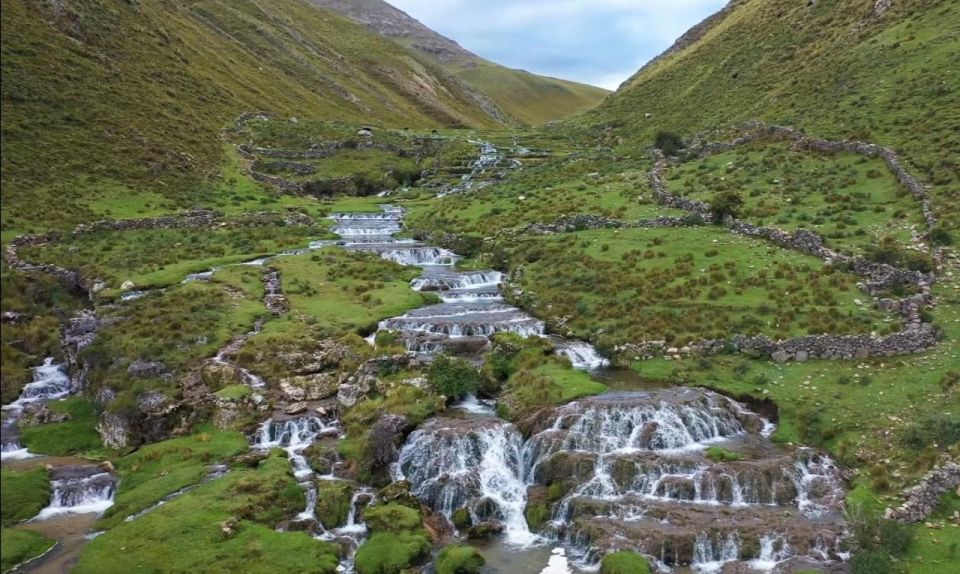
point(313, 387)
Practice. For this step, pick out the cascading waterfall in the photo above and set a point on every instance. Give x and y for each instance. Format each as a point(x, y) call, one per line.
point(774, 549)
point(710, 554)
point(479, 470)
point(419, 256)
point(472, 310)
point(77, 491)
point(640, 475)
point(50, 383)
point(293, 436)
point(582, 355)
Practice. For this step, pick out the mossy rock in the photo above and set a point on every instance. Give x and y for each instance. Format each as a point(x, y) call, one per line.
point(399, 492)
point(333, 502)
point(459, 559)
point(461, 519)
point(720, 454)
point(485, 530)
point(624, 562)
point(392, 518)
point(391, 553)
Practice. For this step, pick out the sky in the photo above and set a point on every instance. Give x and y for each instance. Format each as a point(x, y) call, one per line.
point(599, 42)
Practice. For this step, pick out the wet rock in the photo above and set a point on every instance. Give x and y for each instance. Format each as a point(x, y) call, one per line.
point(400, 493)
point(485, 530)
point(487, 510)
point(296, 408)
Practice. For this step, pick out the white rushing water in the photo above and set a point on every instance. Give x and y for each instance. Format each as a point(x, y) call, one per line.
point(50, 382)
point(479, 470)
point(84, 494)
point(710, 554)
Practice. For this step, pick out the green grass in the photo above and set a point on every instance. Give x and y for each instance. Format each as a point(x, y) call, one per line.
point(176, 328)
point(158, 258)
point(850, 200)
point(397, 540)
point(24, 493)
point(594, 184)
point(532, 99)
point(83, 109)
point(680, 284)
point(624, 562)
point(936, 548)
point(777, 60)
point(459, 559)
point(75, 436)
point(159, 469)
point(234, 392)
point(343, 291)
point(550, 383)
point(18, 546)
point(720, 454)
point(26, 343)
point(186, 534)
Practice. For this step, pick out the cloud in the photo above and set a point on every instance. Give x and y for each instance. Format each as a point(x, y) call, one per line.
point(599, 42)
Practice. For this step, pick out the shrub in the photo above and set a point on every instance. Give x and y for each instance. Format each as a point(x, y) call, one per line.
point(453, 377)
point(669, 143)
point(872, 562)
point(388, 553)
point(624, 562)
point(727, 203)
point(459, 559)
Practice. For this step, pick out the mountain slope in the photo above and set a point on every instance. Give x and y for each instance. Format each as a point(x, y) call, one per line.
point(527, 97)
point(857, 69)
point(99, 93)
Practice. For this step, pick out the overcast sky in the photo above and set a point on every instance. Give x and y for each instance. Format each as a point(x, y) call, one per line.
point(599, 42)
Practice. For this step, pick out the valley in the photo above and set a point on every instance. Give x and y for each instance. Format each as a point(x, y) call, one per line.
point(397, 333)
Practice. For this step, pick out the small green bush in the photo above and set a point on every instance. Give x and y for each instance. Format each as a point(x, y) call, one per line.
point(624, 562)
point(453, 377)
point(459, 559)
point(391, 553)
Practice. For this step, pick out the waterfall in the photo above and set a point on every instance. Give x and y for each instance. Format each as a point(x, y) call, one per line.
point(386, 216)
point(582, 355)
point(352, 231)
point(467, 280)
point(774, 549)
point(817, 473)
point(683, 420)
point(420, 256)
point(293, 436)
point(80, 493)
point(710, 555)
point(50, 383)
point(479, 469)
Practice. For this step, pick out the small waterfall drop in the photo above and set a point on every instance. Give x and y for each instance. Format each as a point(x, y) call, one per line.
point(79, 491)
point(50, 383)
point(477, 467)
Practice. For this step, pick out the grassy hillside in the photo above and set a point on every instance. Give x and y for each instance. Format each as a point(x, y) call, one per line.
point(530, 98)
point(526, 97)
point(835, 68)
point(100, 94)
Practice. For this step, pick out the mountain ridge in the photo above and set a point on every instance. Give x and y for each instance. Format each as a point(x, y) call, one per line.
point(530, 98)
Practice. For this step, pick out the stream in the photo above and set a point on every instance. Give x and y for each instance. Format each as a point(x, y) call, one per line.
point(626, 470)
point(80, 490)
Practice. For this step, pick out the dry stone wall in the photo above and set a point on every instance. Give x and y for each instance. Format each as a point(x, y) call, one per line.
point(915, 336)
